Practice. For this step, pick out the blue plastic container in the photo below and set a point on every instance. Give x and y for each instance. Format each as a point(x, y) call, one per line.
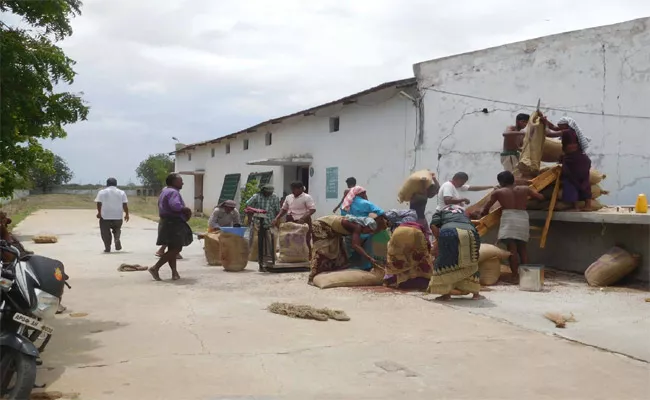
point(236, 231)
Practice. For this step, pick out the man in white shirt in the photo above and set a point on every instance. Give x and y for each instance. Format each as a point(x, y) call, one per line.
point(111, 206)
point(298, 207)
point(449, 192)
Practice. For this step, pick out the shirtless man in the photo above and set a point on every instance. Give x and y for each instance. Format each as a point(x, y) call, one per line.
point(514, 230)
point(513, 140)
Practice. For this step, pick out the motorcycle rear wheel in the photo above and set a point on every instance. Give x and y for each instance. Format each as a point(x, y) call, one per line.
point(19, 369)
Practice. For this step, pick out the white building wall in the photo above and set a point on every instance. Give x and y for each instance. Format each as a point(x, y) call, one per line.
point(601, 71)
point(374, 144)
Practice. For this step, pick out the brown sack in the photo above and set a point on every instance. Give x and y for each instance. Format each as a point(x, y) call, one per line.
point(212, 248)
point(488, 251)
point(416, 183)
point(595, 176)
point(611, 267)
point(489, 271)
point(252, 244)
point(531, 152)
point(234, 252)
point(293, 245)
point(45, 239)
point(552, 150)
point(347, 278)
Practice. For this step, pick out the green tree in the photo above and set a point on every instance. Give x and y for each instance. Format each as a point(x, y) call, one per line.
point(45, 176)
point(31, 72)
point(153, 171)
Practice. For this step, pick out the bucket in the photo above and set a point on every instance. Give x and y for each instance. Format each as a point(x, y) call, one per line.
point(531, 277)
point(236, 231)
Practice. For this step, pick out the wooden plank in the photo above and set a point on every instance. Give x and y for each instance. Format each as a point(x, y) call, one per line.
point(551, 207)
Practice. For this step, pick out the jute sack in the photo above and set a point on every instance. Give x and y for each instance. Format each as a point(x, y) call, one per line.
point(489, 271)
point(596, 192)
point(380, 246)
point(611, 267)
point(488, 251)
point(252, 244)
point(552, 150)
point(45, 239)
point(531, 152)
point(416, 183)
point(595, 176)
point(293, 246)
point(212, 248)
point(562, 206)
point(234, 252)
point(347, 278)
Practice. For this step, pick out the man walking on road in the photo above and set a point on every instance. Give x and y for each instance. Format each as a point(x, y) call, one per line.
point(111, 207)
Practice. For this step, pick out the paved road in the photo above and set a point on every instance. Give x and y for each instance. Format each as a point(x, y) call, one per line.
point(209, 336)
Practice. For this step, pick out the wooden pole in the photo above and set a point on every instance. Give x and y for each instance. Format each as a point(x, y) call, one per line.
point(551, 207)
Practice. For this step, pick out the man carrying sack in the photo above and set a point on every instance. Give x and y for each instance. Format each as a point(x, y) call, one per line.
point(298, 207)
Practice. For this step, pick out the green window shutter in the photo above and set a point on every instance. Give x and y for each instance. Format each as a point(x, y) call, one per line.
point(229, 188)
point(262, 177)
point(265, 177)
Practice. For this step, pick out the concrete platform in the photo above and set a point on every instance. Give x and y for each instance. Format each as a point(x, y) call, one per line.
point(577, 239)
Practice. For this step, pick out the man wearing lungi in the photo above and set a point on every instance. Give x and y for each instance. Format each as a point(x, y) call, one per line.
point(514, 230)
point(513, 140)
point(173, 230)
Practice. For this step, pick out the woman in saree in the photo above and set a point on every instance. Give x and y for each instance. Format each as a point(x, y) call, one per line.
point(356, 203)
point(457, 245)
point(575, 163)
point(410, 262)
point(329, 233)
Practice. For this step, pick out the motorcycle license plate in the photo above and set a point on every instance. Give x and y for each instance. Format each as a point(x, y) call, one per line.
point(33, 323)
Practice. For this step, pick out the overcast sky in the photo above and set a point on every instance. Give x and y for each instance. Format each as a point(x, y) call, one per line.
point(200, 69)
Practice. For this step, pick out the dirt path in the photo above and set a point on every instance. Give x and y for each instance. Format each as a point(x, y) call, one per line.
point(209, 336)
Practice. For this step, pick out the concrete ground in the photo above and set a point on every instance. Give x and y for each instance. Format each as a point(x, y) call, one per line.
point(208, 336)
point(614, 318)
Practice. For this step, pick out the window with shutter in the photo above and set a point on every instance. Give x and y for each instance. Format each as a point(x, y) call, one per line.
point(262, 177)
point(229, 188)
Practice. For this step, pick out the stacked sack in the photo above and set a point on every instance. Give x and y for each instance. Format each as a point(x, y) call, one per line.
point(595, 178)
point(489, 263)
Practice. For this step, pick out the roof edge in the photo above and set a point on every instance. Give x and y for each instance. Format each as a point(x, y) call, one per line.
point(398, 84)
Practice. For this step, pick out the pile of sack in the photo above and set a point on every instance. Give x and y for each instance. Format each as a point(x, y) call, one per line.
point(595, 178)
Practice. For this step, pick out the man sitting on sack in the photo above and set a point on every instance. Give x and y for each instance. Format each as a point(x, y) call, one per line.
point(226, 215)
point(298, 207)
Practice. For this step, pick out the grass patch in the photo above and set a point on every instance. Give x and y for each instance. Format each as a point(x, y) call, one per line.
point(146, 207)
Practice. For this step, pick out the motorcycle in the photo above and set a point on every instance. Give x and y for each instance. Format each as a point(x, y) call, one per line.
point(31, 291)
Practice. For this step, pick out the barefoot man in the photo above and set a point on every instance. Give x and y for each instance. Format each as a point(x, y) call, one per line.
point(173, 231)
point(513, 140)
point(514, 230)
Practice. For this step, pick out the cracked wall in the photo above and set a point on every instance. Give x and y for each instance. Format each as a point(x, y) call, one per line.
point(600, 76)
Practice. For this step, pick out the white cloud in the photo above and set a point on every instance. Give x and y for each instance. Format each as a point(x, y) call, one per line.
point(198, 68)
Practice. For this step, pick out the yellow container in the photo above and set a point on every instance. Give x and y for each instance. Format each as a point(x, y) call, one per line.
point(641, 206)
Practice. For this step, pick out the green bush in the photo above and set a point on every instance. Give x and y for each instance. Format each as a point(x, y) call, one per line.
point(251, 188)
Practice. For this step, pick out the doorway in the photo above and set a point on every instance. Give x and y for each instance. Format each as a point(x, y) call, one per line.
point(198, 193)
point(303, 176)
